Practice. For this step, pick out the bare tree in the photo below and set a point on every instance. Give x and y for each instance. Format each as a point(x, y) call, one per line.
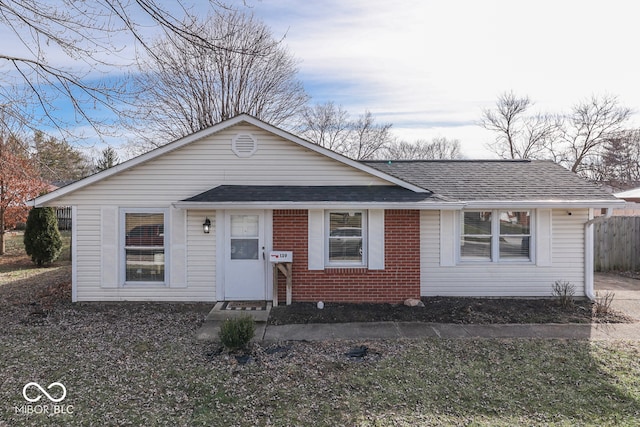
point(439, 148)
point(520, 135)
point(367, 138)
point(94, 35)
point(588, 127)
point(333, 128)
point(186, 87)
point(327, 125)
point(619, 163)
point(574, 140)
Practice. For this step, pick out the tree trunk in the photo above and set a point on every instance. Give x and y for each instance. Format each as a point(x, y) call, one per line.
point(2, 246)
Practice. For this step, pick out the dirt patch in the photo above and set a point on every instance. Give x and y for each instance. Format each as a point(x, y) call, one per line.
point(446, 310)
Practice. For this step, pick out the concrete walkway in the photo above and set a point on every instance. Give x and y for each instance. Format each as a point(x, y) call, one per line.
point(391, 330)
point(627, 300)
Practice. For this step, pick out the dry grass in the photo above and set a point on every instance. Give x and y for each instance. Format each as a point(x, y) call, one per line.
point(131, 364)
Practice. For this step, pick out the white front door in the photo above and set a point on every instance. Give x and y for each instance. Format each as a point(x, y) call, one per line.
point(245, 263)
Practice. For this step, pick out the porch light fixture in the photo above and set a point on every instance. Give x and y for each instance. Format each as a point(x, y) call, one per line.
point(206, 227)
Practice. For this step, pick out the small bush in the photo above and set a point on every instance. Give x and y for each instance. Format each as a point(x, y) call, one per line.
point(602, 304)
point(42, 240)
point(564, 291)
point(236, 333)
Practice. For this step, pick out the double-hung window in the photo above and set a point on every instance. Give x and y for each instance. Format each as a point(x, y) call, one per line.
point(346, 245)
point(144, 247)
point(496, 235)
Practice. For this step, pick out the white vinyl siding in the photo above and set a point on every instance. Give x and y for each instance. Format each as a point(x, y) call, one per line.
point(210, 162)
point(201, 256)
point(175, 176)
point(201, 267)
point(559, 234)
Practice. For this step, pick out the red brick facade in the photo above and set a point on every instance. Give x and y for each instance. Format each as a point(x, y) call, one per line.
point(398, 281)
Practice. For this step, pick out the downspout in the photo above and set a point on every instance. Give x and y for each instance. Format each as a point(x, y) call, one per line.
point(589, 252)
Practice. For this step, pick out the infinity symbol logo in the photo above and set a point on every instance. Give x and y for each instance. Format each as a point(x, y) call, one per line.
point(43, 391)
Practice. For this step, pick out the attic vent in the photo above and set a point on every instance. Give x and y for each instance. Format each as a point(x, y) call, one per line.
point(244, 145)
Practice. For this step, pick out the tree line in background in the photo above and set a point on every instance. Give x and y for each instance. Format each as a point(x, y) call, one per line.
point(33, 166)
point(591, 139)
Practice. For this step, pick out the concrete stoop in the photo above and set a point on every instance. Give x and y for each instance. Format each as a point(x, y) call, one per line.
point(225, 310)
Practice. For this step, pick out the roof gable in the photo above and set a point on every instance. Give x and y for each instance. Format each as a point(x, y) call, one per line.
point(210, 132)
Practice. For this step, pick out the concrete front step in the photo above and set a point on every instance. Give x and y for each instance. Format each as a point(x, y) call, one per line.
point(219, 313)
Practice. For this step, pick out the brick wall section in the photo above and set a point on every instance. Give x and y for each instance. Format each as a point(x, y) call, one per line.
point(398, 281)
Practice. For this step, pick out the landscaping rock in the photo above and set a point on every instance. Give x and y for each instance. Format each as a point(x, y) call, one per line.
point(413, 302)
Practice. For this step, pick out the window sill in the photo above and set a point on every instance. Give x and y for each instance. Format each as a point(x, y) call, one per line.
point(144, 285)
point(501, 262)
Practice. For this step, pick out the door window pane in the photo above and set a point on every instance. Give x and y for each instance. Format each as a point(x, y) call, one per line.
point(245, 230)
point(244, 248)
point(244, 225)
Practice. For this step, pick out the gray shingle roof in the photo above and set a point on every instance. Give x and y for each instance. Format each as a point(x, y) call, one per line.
point(471, 180)
point(290, 193)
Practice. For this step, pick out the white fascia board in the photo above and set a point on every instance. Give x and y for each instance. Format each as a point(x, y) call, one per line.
point(318, 205)
point(43, 200)
point(543, 204)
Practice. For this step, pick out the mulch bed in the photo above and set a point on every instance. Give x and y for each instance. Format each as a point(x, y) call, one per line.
point(33, 300)
point(447, 310)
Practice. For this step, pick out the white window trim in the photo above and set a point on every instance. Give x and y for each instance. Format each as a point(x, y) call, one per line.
point(495, 238)
point(122, 250)
point(365, 243)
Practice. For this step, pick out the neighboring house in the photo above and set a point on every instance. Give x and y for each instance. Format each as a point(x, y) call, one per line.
point(195, 220)
point(632, 207)
point(632, 195)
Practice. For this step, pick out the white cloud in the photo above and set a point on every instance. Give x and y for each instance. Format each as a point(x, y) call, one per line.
point(430, 67)
point(421, 64)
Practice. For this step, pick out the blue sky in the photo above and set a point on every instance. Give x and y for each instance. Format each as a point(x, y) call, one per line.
point(430, 67)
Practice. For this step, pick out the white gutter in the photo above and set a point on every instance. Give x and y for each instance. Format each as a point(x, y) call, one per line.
point(544, 204)
point(589, 251)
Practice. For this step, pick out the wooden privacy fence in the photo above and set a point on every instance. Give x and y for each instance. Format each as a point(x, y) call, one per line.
point(617, 244)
